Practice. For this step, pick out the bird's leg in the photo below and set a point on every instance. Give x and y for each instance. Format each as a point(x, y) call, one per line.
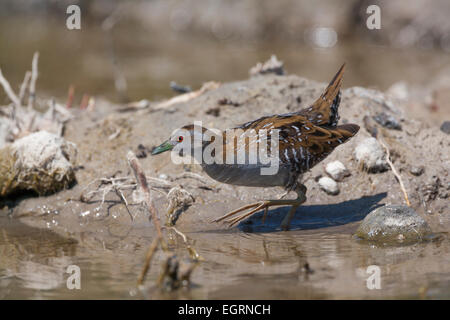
point(266, 210)
point(232, 218)
point(282, 196)
point(301, 197)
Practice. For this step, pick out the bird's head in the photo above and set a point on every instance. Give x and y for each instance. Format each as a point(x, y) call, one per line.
point(182, 140)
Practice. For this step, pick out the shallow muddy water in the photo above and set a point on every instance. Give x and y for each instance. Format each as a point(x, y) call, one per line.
point(322, 263)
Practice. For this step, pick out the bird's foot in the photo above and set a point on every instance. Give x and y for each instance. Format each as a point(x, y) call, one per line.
point(234, 217)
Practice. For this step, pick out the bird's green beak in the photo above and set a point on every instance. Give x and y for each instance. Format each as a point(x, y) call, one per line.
point(163, 147)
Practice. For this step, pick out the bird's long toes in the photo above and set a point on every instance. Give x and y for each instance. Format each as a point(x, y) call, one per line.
point(232, 222)
point(232, 213)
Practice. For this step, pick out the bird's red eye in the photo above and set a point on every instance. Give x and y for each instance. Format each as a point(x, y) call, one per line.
point(180, 138)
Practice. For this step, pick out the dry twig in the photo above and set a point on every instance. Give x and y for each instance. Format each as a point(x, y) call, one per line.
point(142, 183)
point(192, 252)
point(187, 96)
point(70, 96)
point(397, 175)
point(24, 86)
point(148, 259)
point(34, 75)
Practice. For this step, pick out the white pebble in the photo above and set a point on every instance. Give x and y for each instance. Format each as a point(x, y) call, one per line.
point(371, 155)
point(337, 170)
point(85, 213)
point(163, 176)
point(329, 185)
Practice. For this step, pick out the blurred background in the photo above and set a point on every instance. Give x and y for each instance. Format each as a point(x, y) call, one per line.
point(147, 44)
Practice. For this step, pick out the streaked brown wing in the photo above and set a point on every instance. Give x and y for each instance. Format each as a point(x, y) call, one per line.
point(305, 144)
point(301, 142)
point(261, 123)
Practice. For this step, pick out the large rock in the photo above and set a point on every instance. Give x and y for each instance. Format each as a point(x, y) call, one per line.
point(394, 223)
point(41, 162)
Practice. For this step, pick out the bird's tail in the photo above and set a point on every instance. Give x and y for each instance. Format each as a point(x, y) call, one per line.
point(324, 112)
point(350, 128)
point(341, 134)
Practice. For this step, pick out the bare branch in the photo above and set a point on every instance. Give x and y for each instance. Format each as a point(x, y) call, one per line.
point(122, 197)
point(24, 86)
point(9, 91)
point(70, 96)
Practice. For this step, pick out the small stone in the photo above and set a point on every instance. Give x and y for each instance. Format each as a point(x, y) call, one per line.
point(393, 223)
point(273, 65)
point(445, 127)
point(215, 112)
point(337, 170)
point(387, 121)
point(430, 190)
point(163, 176)
point(416, 171)
point(371, 155)
point(329, 185)
point(178, 88)
point(141, 151)
point(443, 195)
